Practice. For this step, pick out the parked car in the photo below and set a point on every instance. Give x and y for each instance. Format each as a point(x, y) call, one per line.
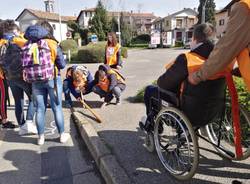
point(187, 44)
point(152, 46)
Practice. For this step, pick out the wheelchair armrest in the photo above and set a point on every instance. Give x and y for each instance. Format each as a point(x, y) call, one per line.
point(168, 97)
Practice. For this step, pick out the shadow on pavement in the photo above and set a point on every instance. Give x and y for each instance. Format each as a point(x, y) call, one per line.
point(144, 167)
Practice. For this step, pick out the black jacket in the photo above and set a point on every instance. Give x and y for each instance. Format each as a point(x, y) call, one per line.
point(178, 72)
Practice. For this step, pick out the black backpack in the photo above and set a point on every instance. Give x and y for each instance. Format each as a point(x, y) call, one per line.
point(11, 60)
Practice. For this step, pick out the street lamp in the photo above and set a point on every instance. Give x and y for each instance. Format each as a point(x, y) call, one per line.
point(203, 17)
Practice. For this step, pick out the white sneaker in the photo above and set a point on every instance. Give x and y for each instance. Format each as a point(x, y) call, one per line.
point(40, 140)
point(28, 128)
point(31, 127)
point(64, 137)
point(23, 129)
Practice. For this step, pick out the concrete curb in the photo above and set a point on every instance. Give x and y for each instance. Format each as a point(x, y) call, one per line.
point(107, 163)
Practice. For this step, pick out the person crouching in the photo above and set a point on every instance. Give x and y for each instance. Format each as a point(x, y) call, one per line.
point(78, 80)
point(109, 83)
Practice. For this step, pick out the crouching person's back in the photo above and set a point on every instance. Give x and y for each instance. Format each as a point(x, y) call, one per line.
point(42, 61)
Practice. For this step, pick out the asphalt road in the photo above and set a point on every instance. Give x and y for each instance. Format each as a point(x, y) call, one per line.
point(120, 128)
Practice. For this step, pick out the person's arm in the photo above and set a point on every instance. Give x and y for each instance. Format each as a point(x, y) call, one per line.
point(113, 82)
point(236, 38)
point(119, 58)
point(60, 61)
point(90, 83)
point(174, 75)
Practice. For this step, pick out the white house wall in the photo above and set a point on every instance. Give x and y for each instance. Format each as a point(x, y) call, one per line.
point(64, 29)
point(28, 19)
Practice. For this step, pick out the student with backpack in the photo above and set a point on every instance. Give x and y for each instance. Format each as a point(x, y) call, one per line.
point(109, 83)
point(10, 61)
point(78, 80)
point(42, 61)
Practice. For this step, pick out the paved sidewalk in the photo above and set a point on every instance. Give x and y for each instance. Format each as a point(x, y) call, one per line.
point(121, 133)
point(24, 162)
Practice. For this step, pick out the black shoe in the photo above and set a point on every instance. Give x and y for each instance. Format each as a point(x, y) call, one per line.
point(118, 101)
point(8, 125)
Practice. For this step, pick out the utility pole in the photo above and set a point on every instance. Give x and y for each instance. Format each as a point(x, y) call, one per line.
point(60, 19)
point(203, 16)
point(119, 21)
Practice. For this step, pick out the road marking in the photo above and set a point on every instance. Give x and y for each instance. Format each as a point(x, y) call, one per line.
point(50, 130)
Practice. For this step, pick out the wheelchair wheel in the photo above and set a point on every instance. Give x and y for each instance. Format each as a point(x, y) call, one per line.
point(149, 142)
point(222, 134)
point(176, 144)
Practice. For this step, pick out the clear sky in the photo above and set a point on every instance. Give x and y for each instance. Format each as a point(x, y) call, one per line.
point(12, 8)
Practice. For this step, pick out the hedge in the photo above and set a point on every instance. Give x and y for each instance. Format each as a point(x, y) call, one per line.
point(69, 44)
point(95, 53)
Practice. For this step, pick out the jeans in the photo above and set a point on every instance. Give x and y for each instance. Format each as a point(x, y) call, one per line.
point(18, 88)
point(68, 89)
point(116, 91)
point(41, 90)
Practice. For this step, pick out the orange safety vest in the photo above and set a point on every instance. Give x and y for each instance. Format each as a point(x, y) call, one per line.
point(243, 59)
point(195, 61)
point(104, 85)
point(111, 54)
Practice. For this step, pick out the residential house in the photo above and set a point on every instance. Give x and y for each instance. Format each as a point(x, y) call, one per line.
point(141, 22)
point(177, 27)
point(30, 17)
point(221, 18)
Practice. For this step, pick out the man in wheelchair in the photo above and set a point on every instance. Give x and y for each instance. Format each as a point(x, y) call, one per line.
point(200, 103)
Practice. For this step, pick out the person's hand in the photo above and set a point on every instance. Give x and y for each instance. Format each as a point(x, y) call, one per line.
point(193, 79)
point(118, 67)
point(83, 90)
point(79, 99)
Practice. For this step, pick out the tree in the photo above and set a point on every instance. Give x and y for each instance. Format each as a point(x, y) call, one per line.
point(126, 32)
point(114, 25)
point(100, 24)
point(210, 11)
point(78, 31)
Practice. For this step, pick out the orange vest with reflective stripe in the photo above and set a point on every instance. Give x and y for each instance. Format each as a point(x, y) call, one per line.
point(111, 54)
point(243, 59)
point(195, 61)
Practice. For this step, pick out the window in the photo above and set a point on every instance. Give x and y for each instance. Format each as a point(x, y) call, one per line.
point(178, 23)
point(167, 23)
point(86, 14)
point(221, 22)
point(191, 21)
point(54, 26)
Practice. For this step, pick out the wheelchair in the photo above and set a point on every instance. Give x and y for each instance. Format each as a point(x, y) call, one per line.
point(174, 128)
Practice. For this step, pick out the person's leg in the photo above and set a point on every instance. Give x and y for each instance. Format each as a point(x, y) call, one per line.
point(66, 91)
point(19, 102)
point(150, 92)
point(99, 91)
point(57, 108)
point(31, 110)
point(117, 92)
point(40, 94)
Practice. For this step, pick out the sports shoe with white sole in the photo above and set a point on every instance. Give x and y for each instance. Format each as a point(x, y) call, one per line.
point(64, 137)
point(40, 140)
point(28, 128)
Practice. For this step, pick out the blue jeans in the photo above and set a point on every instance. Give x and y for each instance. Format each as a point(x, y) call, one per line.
point(18, 88)
point(41, 90)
